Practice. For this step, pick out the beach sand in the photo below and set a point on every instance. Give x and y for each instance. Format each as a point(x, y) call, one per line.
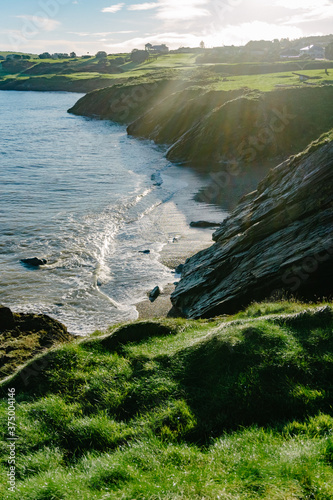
point(182, 241)
point(160, 308)
point(171, 256)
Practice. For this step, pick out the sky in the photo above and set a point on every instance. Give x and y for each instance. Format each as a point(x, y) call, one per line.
point(87, 26)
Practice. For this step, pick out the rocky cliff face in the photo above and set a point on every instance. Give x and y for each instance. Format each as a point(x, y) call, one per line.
point(279, 240)
point(213, 129)
point(122, 103)
point(256, 126)
point(56, 83)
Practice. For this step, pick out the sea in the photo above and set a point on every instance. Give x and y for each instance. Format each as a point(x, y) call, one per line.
point(104, 209)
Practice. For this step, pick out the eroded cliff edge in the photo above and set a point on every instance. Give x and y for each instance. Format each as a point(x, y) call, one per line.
point(279, 240)
point(215, 129)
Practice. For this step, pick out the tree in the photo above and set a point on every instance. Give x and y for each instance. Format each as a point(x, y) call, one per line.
point(72, 54)
point(139, 56)
point(202, 45)
point(329, 51)
point(119, 61)
point(45, 55)
point(101, 55)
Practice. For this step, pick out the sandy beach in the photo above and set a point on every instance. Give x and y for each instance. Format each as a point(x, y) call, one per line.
point(175, 216)
point(172, 255)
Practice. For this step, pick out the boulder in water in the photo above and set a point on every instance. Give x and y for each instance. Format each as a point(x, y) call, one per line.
point(154, 293)
point(204, 224)
point(34, 262)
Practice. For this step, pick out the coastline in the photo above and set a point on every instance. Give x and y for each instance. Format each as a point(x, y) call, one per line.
point(175, 216)
point(162, 307)
point(98, 266)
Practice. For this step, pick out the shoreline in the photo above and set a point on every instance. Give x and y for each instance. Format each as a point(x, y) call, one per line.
point(175, 216)
point(100, 287)
point(162, 307)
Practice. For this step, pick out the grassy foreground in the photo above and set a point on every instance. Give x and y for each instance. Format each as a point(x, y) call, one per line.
point(234, 408)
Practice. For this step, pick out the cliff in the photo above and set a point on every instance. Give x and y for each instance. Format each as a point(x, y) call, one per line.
point(124, 102)
point(56, 83)
point(277, 241)
point(213, 129)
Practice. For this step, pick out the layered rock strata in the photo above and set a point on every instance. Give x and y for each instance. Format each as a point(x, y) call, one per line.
point(278, 241)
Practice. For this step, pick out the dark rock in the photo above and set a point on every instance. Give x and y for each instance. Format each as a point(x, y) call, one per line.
point(277, 242)
point(154, 294)
point(144, 251)
point(24, 336)
point(179, 269)
point(158, 181)
point(204, 224)
point(6, 318)
point(34, 262)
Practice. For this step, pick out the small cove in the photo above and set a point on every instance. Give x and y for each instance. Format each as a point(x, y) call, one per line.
point(89, 199)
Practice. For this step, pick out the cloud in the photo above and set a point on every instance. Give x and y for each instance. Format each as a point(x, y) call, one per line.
point(256, 30)
point(186, 10)
point(306, 11)
point(143, 6)
point(41, 23)
point(303, 4)
point(231, 34)
point(113, 8)
point(316, 14)
point(103, 33)
point(171, 39)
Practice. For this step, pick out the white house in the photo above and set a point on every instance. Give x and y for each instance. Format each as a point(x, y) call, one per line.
point(161, 49)
point(314, 51)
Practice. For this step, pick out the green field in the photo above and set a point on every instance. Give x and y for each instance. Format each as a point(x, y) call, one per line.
point(171, 66)
point(234, 408)
point(268, 82)
point(7, 53)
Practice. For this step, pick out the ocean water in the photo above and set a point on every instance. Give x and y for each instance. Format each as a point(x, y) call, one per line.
point(88, 198)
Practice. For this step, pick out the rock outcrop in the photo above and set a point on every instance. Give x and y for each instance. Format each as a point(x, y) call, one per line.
point(22, 336)
point(34, 262)
point(215, 129)
point(255, 127)
point(56, 83)
point(278, 241)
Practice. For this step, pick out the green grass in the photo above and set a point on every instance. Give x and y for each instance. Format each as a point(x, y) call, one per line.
point(270, 81)
point(5, 53)
point(239, 407)
point(183, 66)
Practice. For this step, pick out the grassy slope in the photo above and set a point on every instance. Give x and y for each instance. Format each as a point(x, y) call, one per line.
point(166, 65)
point(234, 408)
point(5, 53)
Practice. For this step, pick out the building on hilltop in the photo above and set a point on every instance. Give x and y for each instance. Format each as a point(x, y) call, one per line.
point(314, 51)
point(157, 49)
